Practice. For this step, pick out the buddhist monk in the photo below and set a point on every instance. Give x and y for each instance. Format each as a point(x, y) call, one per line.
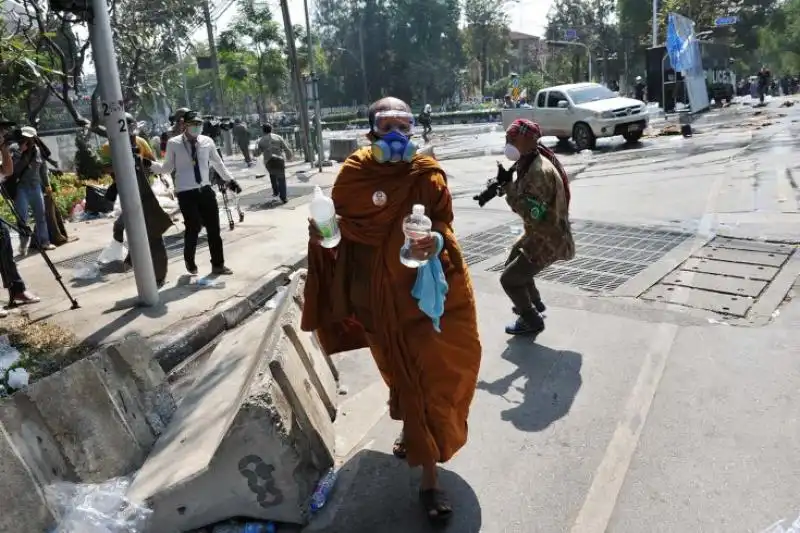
point(359, 294)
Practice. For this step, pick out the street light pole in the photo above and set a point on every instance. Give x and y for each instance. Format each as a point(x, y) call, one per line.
point(121, 153)
point(314, 90)
point(302, 102)
point(655, 23)
point(227, 140)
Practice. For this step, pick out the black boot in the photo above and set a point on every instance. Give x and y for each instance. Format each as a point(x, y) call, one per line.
point(528, 323)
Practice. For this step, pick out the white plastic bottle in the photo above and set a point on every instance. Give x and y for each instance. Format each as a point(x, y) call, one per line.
point(416, 226)
point(324, 215)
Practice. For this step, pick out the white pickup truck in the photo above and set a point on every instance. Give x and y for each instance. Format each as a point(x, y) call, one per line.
point(585, 112)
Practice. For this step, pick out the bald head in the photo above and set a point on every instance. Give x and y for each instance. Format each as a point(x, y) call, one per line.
point(390, 103)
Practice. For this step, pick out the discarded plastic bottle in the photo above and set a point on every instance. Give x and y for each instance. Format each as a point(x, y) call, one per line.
point(416, 226)
point(324, 215)
point(323, 490)
point(259, 527)
point(207, 283)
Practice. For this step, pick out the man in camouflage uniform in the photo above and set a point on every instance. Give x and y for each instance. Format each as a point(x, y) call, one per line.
point(540, 196)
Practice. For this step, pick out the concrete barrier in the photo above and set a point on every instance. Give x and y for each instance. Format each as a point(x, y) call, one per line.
point(254, 433)
point(94, 420)
point(342, 148)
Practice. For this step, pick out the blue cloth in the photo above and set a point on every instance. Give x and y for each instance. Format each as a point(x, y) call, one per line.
point(431, 286)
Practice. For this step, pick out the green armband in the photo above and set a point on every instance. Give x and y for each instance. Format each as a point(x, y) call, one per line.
point(538, 210)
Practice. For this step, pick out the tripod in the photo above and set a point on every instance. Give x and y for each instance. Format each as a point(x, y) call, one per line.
point(23, 230)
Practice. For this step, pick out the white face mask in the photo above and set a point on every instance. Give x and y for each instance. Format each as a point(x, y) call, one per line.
point(511, 152)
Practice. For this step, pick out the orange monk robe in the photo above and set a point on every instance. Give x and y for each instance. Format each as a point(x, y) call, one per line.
point(431, 376)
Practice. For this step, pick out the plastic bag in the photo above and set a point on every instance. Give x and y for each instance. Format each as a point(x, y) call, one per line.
point(778, 527)
point(96, 508)
point(113, 253)
point(86, 271)
point(9, 356)
point(18, 378)
point(159, 189)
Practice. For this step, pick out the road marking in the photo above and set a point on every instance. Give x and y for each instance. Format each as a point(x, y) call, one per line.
point(601, 499)
point(604, 491)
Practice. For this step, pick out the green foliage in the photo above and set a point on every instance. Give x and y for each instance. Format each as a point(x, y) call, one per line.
point(779, 40)
point(87, 162)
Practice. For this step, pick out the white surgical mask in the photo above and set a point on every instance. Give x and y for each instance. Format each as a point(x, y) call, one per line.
point(511, 152)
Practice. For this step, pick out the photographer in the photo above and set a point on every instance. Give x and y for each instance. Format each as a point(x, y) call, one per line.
point(28, 185)
point(12, 281)
point(156, 220)
point(540, 196)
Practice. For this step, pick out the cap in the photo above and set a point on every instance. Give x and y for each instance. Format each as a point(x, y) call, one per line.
point(178, 114)
point(129, 118)
point(193, 117)
point(28, 132)
point(525, 128)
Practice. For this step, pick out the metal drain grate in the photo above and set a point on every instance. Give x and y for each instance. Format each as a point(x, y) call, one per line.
point(607, 255)
point(173, 243)
point(481, 246)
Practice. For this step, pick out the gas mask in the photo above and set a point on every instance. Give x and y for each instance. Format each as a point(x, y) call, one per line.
point(394, 144)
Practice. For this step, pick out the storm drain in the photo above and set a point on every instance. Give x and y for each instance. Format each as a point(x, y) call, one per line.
point(173, 243)
point(727, 276)
point(607, 255)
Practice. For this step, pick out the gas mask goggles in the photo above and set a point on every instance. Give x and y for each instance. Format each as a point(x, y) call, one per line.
point(394, 144)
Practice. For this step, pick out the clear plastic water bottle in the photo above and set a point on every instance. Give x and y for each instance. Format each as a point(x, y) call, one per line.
point(416, 226)
point(259, 527)
point(324, 215)
point(323, 490)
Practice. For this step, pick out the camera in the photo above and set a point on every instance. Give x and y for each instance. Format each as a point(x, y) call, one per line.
point(494, 187)
point(13, 136)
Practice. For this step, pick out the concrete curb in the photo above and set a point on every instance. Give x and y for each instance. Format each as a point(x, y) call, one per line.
point(253, 434)
point(178, 342)
point(94, 420)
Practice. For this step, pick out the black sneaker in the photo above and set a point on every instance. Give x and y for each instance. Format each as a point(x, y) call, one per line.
point(531, 327)
point(191, 269)
point(221, 271)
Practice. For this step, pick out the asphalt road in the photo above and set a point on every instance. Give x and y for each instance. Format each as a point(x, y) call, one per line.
point(624, 416)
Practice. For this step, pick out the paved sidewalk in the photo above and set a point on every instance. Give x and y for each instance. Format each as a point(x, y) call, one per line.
point(264, 241)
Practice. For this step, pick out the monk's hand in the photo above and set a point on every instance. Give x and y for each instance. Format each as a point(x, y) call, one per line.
point(314, 235)
point(424, 248)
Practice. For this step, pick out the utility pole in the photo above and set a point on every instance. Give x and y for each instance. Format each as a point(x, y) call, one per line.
point(314, 91)
point(298, 81)
point(212, 47)
point(655, 23)
point(121, 153)
point(361, 53)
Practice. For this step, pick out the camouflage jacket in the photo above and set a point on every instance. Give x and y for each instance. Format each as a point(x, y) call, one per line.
point(538, 197)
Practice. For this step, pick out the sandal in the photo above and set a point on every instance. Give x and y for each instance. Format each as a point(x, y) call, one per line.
point(399, 446)
point(436, 505)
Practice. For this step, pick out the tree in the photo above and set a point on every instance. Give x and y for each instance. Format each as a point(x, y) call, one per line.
point(487, 34)
point(780, 38)
point(254, 44)
point(145, 35)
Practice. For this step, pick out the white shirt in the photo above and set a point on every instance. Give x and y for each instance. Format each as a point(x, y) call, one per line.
point(179, 159)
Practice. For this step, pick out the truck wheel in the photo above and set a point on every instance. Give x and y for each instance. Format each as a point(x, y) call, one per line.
point(633, 137)
point(583, 136)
